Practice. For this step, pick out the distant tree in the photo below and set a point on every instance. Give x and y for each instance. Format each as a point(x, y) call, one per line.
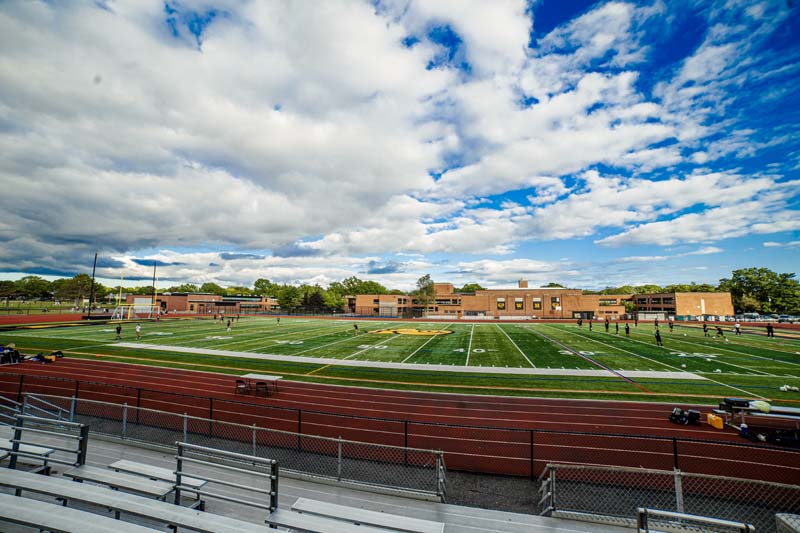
point(554, 285)
point(333, 300)
point(186, 287)
point(289, 297)
point(648, 289)
point(353, 286)
point(762, 289)
point(33, 287)
point(8, 289)
point(264, 287)
point(471, 287)
point(238, 291)
point(77, 288)
point(425, 292)
point(212, 288)
point(316, 302)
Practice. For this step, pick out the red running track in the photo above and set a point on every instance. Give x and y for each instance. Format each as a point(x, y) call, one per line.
point(484, 433)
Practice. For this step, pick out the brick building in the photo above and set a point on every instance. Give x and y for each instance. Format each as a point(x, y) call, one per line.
point(537, 302)
point(206, 303)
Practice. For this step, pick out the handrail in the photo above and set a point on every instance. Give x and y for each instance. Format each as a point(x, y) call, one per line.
point(644, 514)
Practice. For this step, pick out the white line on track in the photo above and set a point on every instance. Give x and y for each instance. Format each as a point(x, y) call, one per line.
point(515, 345)
point(469, 347)
point(426, 342)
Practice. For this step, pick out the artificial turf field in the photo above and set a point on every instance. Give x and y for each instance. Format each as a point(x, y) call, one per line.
point(690, 367)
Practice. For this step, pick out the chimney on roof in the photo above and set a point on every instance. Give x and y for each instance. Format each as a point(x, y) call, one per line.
point(523, 284)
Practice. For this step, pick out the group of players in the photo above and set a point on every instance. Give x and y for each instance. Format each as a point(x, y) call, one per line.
point(720, 334)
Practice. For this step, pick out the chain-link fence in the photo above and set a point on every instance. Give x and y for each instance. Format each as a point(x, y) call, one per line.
point(408, 470)
point(613, 494)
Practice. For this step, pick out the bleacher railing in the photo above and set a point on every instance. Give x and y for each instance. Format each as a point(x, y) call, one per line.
point(409, 471)
point(508, 451)
point(27, 426)
point(571, 491)
point(657, 521)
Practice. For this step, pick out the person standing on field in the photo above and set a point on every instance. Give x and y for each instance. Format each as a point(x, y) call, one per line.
point(119, 332)
point(138, 331)
point(658, 338)
point(770, 330)
point(627, 329)
point(355, 329)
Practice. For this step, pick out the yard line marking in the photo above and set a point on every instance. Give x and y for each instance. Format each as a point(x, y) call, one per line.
point(515, 345)
point(596, 363)
point(371, 346)
point(668, 365)
point(469, 346)
point(426, 342)
point(741, 353)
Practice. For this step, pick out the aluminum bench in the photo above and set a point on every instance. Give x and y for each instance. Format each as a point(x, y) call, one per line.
point(57, 519)
point(369, 518)
point(154, 472)
point(129, 504)
point(308, 523)
point(121, 480)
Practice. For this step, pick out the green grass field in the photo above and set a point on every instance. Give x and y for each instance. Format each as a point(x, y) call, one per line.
point(748, 365)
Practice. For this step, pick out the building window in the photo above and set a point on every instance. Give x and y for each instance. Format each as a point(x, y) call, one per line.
point(501, 303)
point(555, 303)
point(655, 300)
point(519, 304)
point(641, 301)
point(537, 303)
point(608, 301)
point(191, 307)
point(669, 300)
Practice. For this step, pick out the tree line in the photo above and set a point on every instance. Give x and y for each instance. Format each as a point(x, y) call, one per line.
point(752, 289)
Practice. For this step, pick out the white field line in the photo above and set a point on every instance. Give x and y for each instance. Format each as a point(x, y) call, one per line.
point(666, 364)
point(426, 342)
point(741, 353)
point(469, 346)
point(330, 330)
point(254, 333)
point(515, 345)
point(371, 346)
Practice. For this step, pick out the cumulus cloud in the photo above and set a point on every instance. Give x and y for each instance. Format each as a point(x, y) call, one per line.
point(316, 140)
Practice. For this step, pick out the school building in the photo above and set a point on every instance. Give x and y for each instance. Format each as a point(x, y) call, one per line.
point(524, 302)
point(206, 303)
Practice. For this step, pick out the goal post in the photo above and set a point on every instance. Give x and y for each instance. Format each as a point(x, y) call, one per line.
point(135, 312)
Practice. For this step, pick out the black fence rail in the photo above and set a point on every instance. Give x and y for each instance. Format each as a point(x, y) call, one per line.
point(469, 448)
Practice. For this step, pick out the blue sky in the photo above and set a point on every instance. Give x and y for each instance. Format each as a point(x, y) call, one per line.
point(588, 143)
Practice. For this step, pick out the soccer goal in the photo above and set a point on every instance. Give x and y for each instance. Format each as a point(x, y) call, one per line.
point(135, 312)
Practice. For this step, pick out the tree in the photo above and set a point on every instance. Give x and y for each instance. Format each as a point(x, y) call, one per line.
point(764, 289)
point(554, 285)
point(289, 297)
point(238, 291)
point(8, 289)
point(264, 287)
point(186, 287)
point(333, 300)
point(212, 288)
point(471, 287)
point(425, 291)
point(77, 288)
point(33, 287)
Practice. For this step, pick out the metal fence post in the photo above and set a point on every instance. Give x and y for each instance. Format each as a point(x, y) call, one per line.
point(138, 403)
point(72, 409)
point(678, 491)
point(254, 439)
point(675, 464)
point(552, 489)
point(185, 427)
point(179, 473)
point(533, 478)
point(299, 429)
point(125, 420)
point(339, 461)
point(211, 417)
point(19, 391)
point(24, 407)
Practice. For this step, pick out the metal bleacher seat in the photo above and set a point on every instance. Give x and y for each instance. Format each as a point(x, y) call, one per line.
point(52, 517)
point(119, 502)
point(365, 517)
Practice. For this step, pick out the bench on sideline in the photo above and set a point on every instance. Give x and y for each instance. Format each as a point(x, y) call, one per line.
point(54, 518)
point(121, 502)
point(369, 518)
